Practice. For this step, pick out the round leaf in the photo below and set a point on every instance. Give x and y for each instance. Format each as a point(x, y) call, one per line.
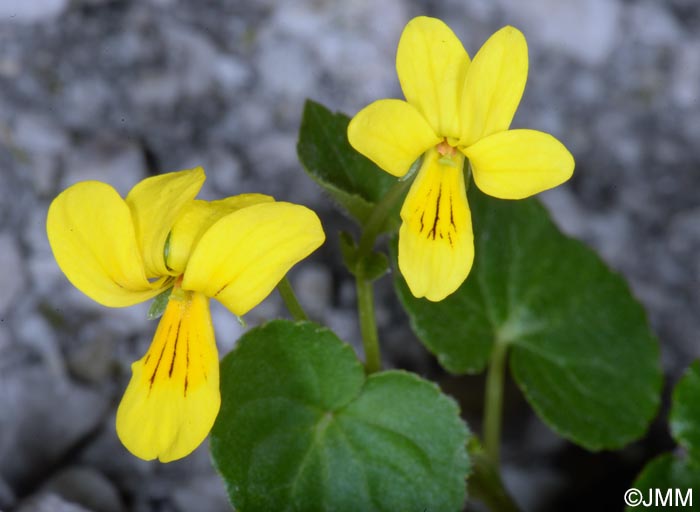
point(580, 346)
point(666, 473)
point(685, 412)
point(302, 429)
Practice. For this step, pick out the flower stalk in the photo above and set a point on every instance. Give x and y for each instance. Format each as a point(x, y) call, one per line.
point(290, 300)
point(365, 293)
point(493, 401)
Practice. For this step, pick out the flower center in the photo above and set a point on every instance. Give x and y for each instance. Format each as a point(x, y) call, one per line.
point(445, 149)
point(448, 154)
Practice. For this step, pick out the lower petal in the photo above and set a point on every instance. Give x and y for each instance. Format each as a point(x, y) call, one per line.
point(173, 397)
point(436, 244)
point(519, 163)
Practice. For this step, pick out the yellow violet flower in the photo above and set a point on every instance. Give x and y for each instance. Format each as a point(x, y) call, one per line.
point(454, 109)
point(121, 252)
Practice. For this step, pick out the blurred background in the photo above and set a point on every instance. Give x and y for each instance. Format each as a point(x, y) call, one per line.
point(120, 90)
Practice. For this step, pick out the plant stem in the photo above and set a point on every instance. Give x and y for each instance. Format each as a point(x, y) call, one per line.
point(485, 484)
point(290, 300)
point(365, 292)
point(494, 403)
point(377, 218)
point(368, 325)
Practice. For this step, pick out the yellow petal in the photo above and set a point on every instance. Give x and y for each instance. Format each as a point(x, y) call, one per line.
point(242, 257)
point(431, 63)
point(392, 134)
point(519, 163)
point(493, 86)
point(195, 218)
point(436, 244)
point(173, 397)
point(155, 204)
point(92, 237)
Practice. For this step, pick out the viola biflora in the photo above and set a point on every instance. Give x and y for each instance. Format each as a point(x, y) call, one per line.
point(456, 116)
point(120, 252)
point(297, 421)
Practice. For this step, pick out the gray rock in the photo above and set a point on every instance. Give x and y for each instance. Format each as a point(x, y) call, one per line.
point(227, 328)
point(50, 503)
point(284, 69)
point(564, 25)
point(31, 12)
point(119, 163)
point(314, 288)
point(86, 487)
point(44, 142)
point(223, 170)
point(7, 496)
point(652, 24)
point(533, 485)
point(201, 493)
point(686, 75)
point(46, 408)
point(345, 324)
point(12, 279)
point(93, 360)
point(110, 458)
point(35, 334)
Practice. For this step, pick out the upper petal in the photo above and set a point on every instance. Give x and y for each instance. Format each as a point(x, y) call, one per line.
point(195, 218)
point(493, 85)
point(392, 134)
point(519, 163)
point(436, 244)
point(173, 397)
point(431, 63)
point(92, 237)
point(155, 204)
point(241, 258)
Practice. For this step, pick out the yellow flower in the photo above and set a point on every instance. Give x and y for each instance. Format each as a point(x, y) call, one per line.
point(454, 109)
point(121, 252)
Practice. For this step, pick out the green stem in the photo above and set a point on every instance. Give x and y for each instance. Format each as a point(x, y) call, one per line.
point(368, 325)
point(494, 403)
point(377, 218)
point(365, 293)
point(290, 300)
point(485, 484)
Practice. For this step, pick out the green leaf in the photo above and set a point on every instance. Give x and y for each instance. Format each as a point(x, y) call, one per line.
point(666, 472)
point(159, 304)
point(580, 346)
point(681, 471)
point(350, 178)
point(685, 412)
point(302, 429)
point(374, 266)
point(348, 248)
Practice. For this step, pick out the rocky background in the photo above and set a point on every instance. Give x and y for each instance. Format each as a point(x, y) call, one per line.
point(118, 90)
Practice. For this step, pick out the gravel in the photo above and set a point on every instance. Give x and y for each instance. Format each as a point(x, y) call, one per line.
point(116, 91)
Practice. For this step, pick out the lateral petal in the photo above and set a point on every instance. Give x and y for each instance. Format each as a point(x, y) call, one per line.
point(91, 234)
point(391, 133)
point(241, 258)
point(436, 243)
point(155, 204)
point(431, 63)
point(173, 397)
point(519, 163)
point(493, 85)
point(195, 218)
